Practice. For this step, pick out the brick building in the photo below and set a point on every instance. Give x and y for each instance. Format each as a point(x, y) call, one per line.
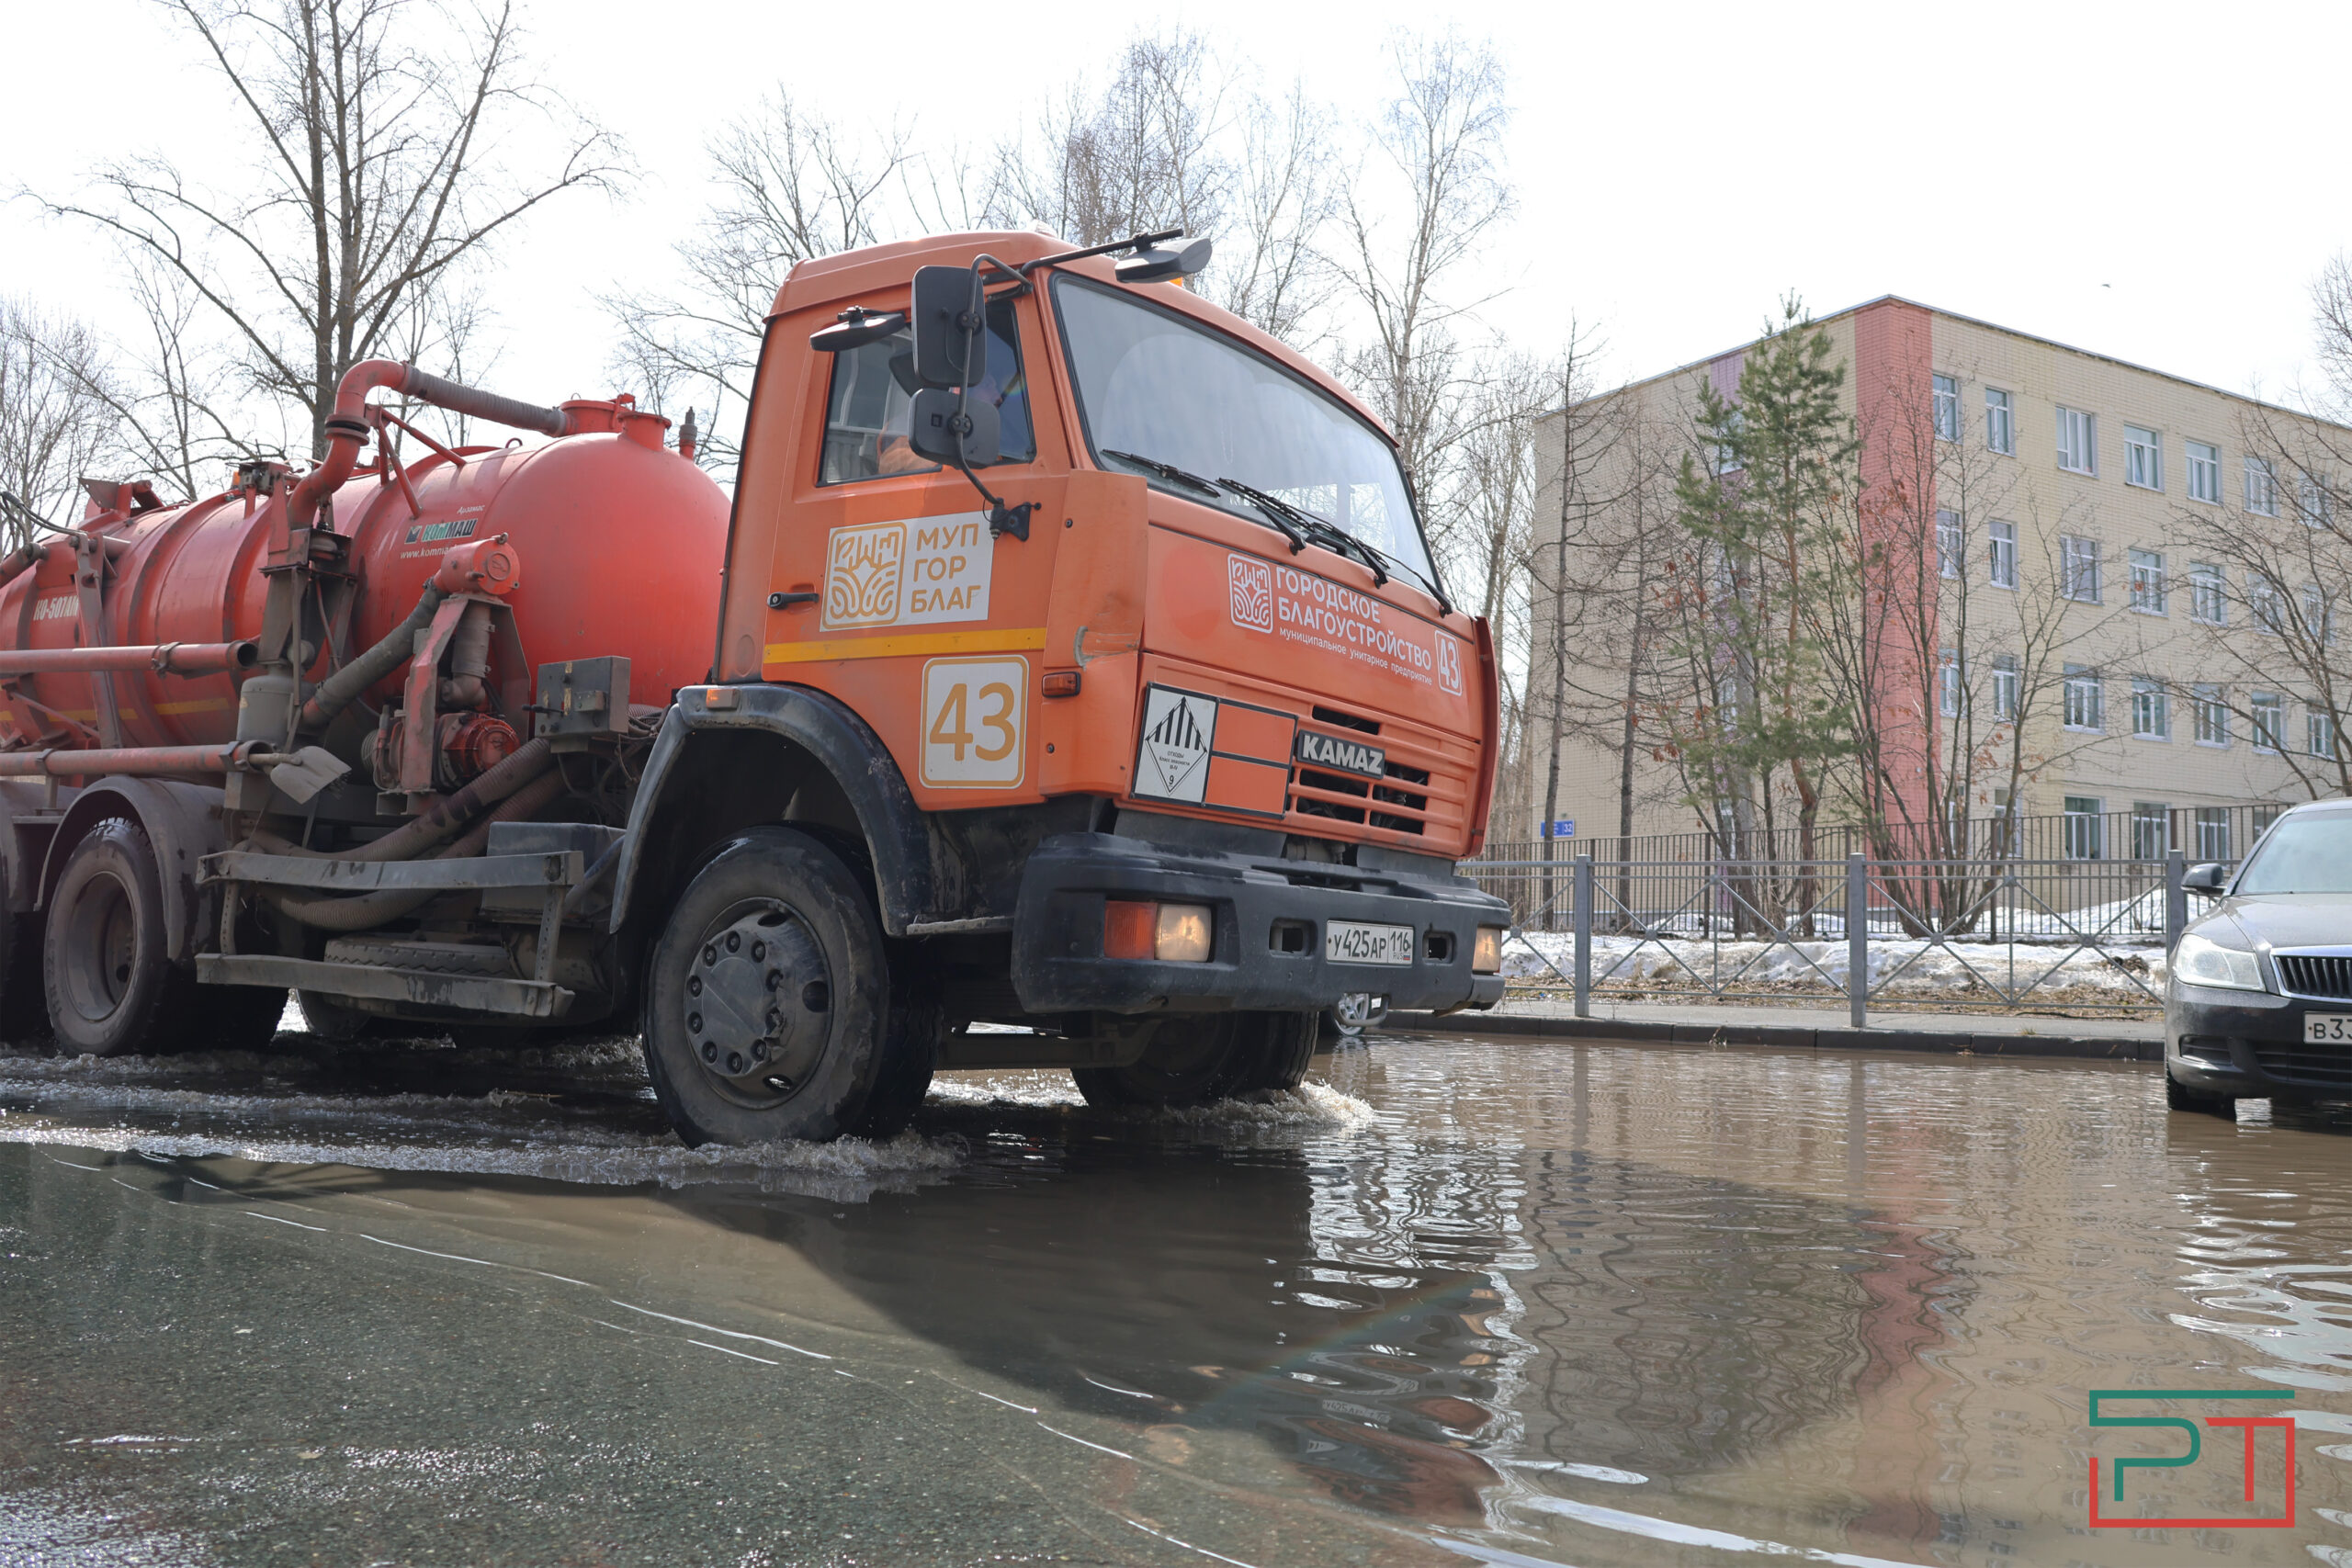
point(2073, 596)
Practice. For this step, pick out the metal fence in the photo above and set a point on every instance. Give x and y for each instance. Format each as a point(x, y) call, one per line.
point(1991, 933)
point(2093, 840)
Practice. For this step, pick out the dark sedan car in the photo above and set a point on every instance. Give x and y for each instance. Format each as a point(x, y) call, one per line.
point(2260, 1000)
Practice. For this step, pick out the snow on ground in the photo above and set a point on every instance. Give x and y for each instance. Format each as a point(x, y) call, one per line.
point(2122, 971)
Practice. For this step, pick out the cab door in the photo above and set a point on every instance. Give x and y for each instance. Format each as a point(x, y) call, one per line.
point(891, 592)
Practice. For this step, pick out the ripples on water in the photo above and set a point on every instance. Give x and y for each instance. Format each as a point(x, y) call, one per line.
point(1453, 1302)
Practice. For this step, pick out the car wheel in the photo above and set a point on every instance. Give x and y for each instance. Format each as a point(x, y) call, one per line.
point(2180, 1097)
point(767, 997)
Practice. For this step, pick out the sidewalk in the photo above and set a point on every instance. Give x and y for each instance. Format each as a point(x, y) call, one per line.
point(1982, 1034)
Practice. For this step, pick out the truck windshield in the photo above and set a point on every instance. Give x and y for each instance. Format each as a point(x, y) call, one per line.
point(1153, 386)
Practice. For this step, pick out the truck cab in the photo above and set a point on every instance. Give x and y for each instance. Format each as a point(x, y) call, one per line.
point(1168, 771)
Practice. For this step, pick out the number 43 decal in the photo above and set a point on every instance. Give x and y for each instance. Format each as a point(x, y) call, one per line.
point(975, 718)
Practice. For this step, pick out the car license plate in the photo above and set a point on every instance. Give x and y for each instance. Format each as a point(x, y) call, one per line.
point(1353, 942)
point(2327, 1027)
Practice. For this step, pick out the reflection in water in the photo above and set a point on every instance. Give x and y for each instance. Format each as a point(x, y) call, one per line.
point(1582, 1305)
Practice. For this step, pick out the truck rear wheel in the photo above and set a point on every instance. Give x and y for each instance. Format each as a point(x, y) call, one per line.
point(767, 997)
point(1194, 1059)
point(113, 989)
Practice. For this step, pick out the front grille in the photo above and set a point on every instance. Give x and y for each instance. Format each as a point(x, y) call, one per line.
point(2294, 1061)
point(1346, 720)
point(2311, 974)
point(1404, 797)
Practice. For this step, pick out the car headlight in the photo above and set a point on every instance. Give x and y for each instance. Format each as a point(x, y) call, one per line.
point(2200, 961)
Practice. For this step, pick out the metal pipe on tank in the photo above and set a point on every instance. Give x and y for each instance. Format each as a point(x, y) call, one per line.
point(164, 659)
point(347, 429)
point(392, 650)
point(366, 911)
point(59, 762)
point(419, 834)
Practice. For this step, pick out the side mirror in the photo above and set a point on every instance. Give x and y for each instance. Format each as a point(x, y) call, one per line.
point(2207, 879)
point(1159, 263)
point(951, 340)
point(854, 327)
point(961, 437)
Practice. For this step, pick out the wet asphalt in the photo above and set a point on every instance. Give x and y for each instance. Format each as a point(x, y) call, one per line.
point(1458, 1301)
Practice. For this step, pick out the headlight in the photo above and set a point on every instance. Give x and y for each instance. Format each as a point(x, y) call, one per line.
point(2200, 961)
point(1487, 952)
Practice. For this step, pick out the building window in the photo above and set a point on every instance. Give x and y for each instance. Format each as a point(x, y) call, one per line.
point(2263, 816)
point(1949, 695)
point(2264, 709)
point(2151, 709)
point(2000, 431)
point(1948, 545)
point(2005, 555)
point(2319, 734)
point(2148, 581)
point(2077, 442)
point(2151, 824)
point(2006, 682)
point(2261, 488)
point(1947, 406)
point(2313, 502)
point(2086, 828)
point(2212, 715)
point(2085, 705)
point(2319, 619)
point(2078, 568)
point(2208, 594)
point(2262, 603)
point(1727, 458)
point(2143, 458)
point(2212, 833)
point(2204, 472)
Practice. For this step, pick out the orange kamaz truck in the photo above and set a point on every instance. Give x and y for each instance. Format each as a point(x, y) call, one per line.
point(1070, 658)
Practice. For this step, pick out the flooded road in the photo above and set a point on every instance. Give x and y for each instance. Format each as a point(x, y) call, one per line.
point(1458, 1301)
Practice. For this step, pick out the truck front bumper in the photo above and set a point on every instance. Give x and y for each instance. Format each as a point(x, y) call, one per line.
point(1270, 919)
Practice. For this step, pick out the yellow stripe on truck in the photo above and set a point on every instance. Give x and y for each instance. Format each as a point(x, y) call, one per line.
point(1017, 639)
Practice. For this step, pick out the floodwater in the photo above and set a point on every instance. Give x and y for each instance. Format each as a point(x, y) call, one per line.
point(1458, 1301)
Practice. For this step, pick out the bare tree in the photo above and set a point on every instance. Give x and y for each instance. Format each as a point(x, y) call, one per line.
point(2270, 579)
point(791, 186)
point(1431, 190)
point(1145, 155)
point(377, 126)
point(55, 420)
point(1269, 269)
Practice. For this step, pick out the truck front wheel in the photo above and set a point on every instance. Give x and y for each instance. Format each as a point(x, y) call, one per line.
point(1192, 1060)
point(767, 997)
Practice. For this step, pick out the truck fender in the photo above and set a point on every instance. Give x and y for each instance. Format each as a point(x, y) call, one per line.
point(181, 820)
point(898, 836)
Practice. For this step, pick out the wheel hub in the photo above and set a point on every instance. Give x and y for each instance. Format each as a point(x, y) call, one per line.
point(757, 1003)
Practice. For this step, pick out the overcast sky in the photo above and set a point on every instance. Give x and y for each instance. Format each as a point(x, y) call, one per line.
point(2155, 182)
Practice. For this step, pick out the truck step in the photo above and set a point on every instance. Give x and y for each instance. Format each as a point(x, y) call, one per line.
point(430, 957)
point(467, 993)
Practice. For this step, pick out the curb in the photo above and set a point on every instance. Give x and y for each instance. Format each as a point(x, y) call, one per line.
point(1782, 1036)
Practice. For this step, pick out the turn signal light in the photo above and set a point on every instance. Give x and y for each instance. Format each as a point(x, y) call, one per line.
point(1486, 956)
point(1172, 933)
point(1059, 684)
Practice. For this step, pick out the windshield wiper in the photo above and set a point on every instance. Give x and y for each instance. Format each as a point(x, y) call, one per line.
point(1328, 534)
point(1165, 470)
